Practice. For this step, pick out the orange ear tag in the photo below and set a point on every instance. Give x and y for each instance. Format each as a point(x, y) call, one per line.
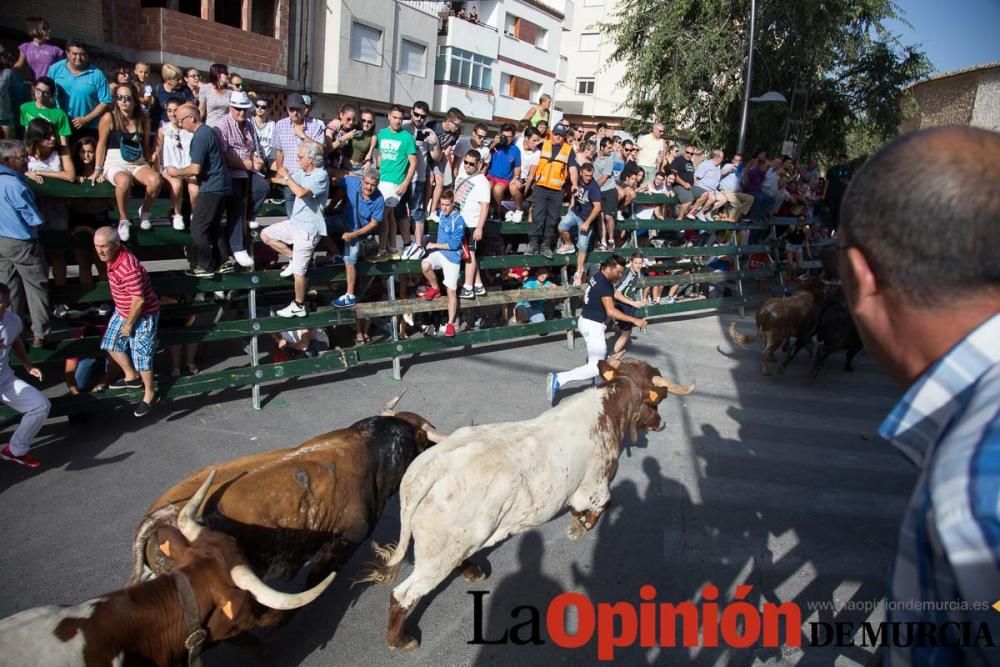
point(227, 609)
point(653, 396)
point(608, 375)
point(165, 548)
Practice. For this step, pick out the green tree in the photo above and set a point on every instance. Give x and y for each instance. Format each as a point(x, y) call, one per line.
point(687, 59)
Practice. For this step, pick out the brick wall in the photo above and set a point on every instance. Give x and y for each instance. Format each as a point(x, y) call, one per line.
point(947, 101)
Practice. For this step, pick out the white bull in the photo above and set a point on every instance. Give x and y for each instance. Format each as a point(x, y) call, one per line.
point(485, 483)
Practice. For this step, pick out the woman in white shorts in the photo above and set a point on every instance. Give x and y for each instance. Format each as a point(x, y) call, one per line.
point(123, 148)
point(49, 159)
point(173, 148)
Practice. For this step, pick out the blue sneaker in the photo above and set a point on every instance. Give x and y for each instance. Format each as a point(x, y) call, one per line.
point(345, 301)
point(551, 387)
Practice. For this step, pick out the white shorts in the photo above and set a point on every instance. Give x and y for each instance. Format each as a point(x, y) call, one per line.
point(388, 191)
point(302, 243)
point(114, 164)
point(450, 269)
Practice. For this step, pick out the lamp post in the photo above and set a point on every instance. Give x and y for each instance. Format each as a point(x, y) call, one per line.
point(747, 80)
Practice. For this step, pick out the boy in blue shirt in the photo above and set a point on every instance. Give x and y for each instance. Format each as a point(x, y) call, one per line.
point(446, 256)
point(533, 311)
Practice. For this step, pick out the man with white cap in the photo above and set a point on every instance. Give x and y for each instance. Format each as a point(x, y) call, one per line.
point(241, 150)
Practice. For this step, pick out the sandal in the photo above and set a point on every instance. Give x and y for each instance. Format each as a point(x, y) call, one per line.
point(192, 369)
point(361, 339)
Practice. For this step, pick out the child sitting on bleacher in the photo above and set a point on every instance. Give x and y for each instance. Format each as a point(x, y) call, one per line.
point(532, 311)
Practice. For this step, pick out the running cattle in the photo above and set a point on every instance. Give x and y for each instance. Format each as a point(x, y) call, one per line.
point(781, 319)
point(211, 595)
point(314, 503)
point(485, 483)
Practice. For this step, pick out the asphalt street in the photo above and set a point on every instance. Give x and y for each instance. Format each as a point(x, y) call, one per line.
point(781, 483)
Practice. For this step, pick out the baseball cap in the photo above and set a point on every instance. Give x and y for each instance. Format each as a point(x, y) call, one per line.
point(240, 100)
point(296, 101)
point(561, 129)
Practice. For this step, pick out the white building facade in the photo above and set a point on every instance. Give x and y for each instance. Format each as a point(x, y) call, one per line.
point(588, 91)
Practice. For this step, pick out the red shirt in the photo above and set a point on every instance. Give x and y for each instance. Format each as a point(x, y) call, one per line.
point(128, 278)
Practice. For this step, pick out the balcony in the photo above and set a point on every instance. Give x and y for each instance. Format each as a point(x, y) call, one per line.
point(475, 37)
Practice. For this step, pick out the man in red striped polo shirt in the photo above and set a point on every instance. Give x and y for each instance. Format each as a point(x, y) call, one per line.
point(132, 329)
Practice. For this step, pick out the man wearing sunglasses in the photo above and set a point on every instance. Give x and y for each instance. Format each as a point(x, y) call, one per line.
point(683, 164)
point(264, 127)
point(448, 131)
point(427, 151)
point(43, 106)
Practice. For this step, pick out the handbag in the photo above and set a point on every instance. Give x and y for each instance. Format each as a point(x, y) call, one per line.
point(367, 245)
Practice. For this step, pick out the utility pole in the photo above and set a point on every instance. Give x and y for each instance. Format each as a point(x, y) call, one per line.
point(747, 80)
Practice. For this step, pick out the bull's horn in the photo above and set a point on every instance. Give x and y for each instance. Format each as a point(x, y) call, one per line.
point(672, 387)
point(245, 579)
point(387, 409)
point(187, 521)
point(613, 361)
point(432, 435)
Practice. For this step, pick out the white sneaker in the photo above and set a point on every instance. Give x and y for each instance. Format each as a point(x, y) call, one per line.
point(418, 253)
point(408, 251)
point(253, 224)
point(408, 318)
point(708, 216)
point(518, 216)
point(178, 222)
point(292, 310)
point(433, 217)
point(620, 216)
point(144, 219)
point(701, 216)
point(243, 258)
point(286, 272)
point(145, 225)
point(124, 230)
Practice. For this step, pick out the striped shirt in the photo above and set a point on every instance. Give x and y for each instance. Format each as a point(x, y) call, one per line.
point(242, 140)
point(128, 278)
point(285, 140)
point(948, 425)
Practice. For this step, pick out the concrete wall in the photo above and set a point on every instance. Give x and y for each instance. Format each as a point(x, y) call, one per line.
point(946, 101)
point(605, 103)
point(986, 112)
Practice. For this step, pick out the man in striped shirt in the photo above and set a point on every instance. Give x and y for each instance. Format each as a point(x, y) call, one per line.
point(131, 335)
point(919, 268)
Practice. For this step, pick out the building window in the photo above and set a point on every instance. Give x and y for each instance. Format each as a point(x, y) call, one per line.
point(412, 58)
point(585, 86)
point(229, 13)
point(525, 31)
point(519, 87)
point(264, 17)
point(463, 68)
point(192, 7)
point(366, 44)
point(590, 41)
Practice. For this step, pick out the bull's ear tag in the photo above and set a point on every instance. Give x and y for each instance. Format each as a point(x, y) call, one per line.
point(165, 548)
point(227, 609)
point(653, 396)
point(608, 375)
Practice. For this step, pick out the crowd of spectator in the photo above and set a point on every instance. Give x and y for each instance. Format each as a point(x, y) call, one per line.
point(216, 150)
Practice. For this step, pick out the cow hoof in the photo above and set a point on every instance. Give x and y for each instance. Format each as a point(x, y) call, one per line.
point(575, 530)
point(405, 643)
point(472, 572)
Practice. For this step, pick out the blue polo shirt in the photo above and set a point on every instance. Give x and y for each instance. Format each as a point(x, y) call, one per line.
point(19, 218)
point(78, 94)
point(368, 209)
point(504, 161)
point(451, 230)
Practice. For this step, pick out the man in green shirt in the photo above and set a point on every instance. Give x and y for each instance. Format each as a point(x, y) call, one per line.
point(44, 106)
point(396, 151)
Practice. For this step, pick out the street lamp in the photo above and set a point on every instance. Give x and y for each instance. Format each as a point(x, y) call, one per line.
point(770, 96)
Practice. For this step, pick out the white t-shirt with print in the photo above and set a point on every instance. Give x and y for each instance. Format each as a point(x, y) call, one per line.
point(470, 193)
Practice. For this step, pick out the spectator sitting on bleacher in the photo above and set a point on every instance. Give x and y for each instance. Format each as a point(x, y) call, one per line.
point(520, 188)
point(49, 159)
point(504, 171)
point(582, 216)
point(305, 342)
point(771, 186)
point(43, 106)
point(124, 151)
point(683, 166)
point(131, 335)
point(173, 146)
point(240, 148)
point(22, 260)
point(86, 374)
point(297, 237)
point(363, 214)
point(707, 198)
point(446, 256)
point(532, 311)
point(16, 393)
point(627, 189)
point(214, 190)
point(172, 87)
point(729, 186)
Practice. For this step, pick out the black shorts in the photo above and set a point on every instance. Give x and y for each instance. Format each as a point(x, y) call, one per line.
point(628, 310)
point(609, 202)
point(469, 231)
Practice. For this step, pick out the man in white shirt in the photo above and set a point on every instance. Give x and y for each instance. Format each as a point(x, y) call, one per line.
point(531, 139)
point(707, 198)
point(651, 147)
point(472, 197)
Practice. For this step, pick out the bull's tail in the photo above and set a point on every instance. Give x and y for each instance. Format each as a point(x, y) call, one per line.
point(146, 528)
point(389, 558)
point(740, 339)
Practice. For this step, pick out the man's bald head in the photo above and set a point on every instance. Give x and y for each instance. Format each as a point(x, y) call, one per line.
point(924, 213)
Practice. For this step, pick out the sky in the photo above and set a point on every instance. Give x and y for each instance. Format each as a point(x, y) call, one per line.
point(953, 33)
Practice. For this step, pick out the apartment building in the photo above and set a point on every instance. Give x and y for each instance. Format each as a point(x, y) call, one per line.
point(588, 91)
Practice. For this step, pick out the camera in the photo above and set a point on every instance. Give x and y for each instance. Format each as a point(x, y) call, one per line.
point(501, 141)
point(422, 134)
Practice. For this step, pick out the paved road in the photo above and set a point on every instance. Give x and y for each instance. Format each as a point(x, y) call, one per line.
point(780, 483)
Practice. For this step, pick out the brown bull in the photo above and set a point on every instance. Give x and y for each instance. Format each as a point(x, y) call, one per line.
point(211, 595)
point(781, 319)
point(312, 503)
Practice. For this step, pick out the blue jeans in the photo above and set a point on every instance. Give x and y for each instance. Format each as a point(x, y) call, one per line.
point(89, 371)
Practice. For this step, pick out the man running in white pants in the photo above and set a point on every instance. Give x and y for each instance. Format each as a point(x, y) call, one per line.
point(16, 393)
point(598, 306)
